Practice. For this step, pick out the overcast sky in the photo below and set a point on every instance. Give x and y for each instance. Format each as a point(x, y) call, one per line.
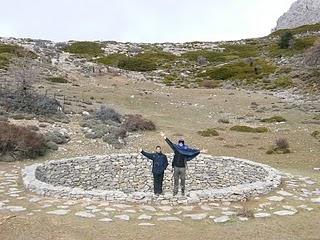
point(140, 20)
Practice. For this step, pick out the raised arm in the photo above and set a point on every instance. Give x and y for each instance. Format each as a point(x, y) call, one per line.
point(148, 155)
point(168, 141)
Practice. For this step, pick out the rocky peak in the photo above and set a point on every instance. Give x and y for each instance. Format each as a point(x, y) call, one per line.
point(301, 12)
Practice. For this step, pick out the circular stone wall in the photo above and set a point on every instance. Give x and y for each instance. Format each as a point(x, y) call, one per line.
point(128, 178)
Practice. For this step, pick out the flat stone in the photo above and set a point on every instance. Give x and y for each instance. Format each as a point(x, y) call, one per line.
point(276, 198)
point(63, 207)
point(85, 214)
point(148, 208)
point(16, 208)
point(122, 206)
point(35, 199)
point(187, 208)
point(144, 217)
point(123, 217)
point(315, 200)
point(146, 224)
point(284, 193)
point(199, 216)
point(243, 219)
point(108, 209)
point(221, 219)
point(229, 213)
point(165, 208)
point(105, 220)
point(205, 207)
point(59, 212)
point(169, 219)
point(262, 215)
point(284, 213)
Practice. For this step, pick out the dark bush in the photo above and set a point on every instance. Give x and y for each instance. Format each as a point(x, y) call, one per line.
point(274, 119)
point(57, 79)
point(286, 40)
point(282, 143)
point(281, 146)
point(29, 101)
point(106, 114)
point(136, 122)
point(20, 142)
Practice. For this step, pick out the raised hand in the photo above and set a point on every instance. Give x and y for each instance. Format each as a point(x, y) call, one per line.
point(163, 134)
point(204, 150)
point(140, 150)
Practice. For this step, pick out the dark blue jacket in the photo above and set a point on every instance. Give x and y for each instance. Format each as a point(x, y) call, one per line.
point(182, 154)
point(159, 161)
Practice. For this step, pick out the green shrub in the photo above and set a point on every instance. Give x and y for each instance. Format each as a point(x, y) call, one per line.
point(241, 70)
point(112, 59)
point(8, 51)
point(301, 29)
point(211, 56)
point(57, 79)
point(286, 40)
point(139, 64)
point(85, 48)
point(299, 46)
point(242, 50)
point(169, 79)
point(239, 128)
point(210, 132)
point(281, 82)
point(274, 119)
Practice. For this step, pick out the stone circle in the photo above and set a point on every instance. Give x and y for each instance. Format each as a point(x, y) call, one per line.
point(128, 178)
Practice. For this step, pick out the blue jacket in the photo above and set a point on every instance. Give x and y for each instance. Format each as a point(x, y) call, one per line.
point(182, 154)
point(159, 161)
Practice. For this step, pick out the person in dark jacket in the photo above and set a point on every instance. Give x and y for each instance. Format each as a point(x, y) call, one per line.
point(159, 165)
point(182, 154)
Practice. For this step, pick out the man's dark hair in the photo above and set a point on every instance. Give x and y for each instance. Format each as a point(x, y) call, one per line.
point(181, 141)
point(158, 146)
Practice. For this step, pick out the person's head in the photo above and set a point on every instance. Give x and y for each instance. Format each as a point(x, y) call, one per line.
point(158, 149)
point(181, 142)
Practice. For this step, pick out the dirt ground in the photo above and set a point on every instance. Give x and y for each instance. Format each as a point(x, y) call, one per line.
point(176, 112)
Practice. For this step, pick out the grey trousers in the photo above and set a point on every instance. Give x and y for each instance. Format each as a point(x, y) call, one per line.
point(179, 173)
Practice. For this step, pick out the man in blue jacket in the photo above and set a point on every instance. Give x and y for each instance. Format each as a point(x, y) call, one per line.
point(159, 165)
point(182, 154)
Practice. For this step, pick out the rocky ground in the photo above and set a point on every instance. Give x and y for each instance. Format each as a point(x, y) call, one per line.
point(290, 212)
